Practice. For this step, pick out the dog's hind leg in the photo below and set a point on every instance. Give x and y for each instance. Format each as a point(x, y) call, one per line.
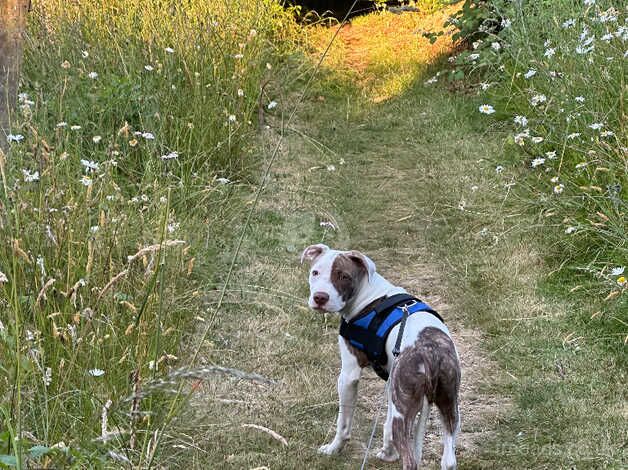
point(450, 417)
point(419, 431)
point(388, 452)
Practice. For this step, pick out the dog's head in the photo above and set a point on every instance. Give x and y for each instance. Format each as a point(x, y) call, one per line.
point(335, 276)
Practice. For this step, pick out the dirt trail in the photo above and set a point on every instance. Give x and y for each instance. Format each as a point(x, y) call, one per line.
point(346, 163)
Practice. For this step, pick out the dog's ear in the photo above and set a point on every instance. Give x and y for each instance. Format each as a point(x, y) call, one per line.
point(312, 252)
point(363, 261)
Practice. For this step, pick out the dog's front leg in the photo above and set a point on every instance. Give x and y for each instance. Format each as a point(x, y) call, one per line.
point(348, 379)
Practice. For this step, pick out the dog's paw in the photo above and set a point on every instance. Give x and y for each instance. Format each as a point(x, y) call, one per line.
point(329, 449)
point(388, 455)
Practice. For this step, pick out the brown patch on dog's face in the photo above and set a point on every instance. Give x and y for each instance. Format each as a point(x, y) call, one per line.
point(346, 274)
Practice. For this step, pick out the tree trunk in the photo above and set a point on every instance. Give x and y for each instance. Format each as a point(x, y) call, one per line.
point(12, 23)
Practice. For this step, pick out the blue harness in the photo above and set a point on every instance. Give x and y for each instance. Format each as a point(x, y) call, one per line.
point(368, 331)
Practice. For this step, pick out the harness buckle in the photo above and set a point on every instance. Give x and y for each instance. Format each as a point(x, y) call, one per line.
point(404, 308)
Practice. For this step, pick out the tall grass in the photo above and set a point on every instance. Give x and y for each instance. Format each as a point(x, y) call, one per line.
point(135, 119)
point(556, 72)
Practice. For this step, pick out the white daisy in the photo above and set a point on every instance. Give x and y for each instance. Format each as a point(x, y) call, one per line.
point(149, 68)
point(617, 271)
point(529, 74)
point(538, 161)
point(169, 50)
point(559, 188)
point(486, 109)
point(90, 165)
point(15, 138)
point(170, 156)
point(521, 120)
point(96, 372)
point(273, 104)
point(93, 75)
point(86, 180)
point(96, 139)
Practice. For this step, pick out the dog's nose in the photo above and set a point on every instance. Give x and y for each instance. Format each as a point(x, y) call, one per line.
point(321, 298)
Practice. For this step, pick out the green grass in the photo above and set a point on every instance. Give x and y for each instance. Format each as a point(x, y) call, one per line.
point(404, 171)
point(107, 91)
point(574, 176)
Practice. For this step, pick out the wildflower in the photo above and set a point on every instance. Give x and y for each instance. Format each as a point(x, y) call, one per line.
point(473, 57)
point(96, 372)
point(96, 139)
point(86, 180)
point(537, 140)
point(62, 124)
point(607, 133)
point(607, 37)
point(537, 99)
point(519, 138)
point(617, 271)
point(169, 50)
point(240, 92)
point(570, 230)
point(170, 156)
point(238, 56)
point(15, 138)
point(327, 224)
point(559, 188)
point(84, 54)
point(148, 135)
point(434, 79)
point(506, 23)
point(499, 169)
point(486, 109)
point(573, 135)
point(589, 3)
point(30, 177)
point(529, 74)
point(3, 278)
point(232, 118)
point(173, 227)
point(133, 142)
point(485, 86)
point(579, 99)
point(596, 126)
point(521, 120)
point(581, 165)
point(149, 68)
point(496, 46)
point(621, 281)
point(268, 66)
point(554, 179)
point(90, 165)
point(549, 52)
point(569, 23)
point(75, 128)
point(223, 180)
point(65, 65)
point(92, 75)
point(272, 104)
point(538, 161)
point(47, 376)
point(551, 154)
point(331, 168)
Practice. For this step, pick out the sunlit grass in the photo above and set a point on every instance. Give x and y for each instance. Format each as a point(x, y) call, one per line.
point(385, 52)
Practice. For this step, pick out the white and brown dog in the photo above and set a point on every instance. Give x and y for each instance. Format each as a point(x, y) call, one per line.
point(426, 371)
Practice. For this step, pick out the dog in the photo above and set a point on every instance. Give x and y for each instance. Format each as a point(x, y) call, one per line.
point(425, 372)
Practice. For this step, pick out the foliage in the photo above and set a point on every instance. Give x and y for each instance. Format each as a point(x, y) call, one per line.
point(557, 72)
point(134, 122)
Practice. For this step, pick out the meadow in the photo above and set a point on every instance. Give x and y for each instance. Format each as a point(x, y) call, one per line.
point(130, 147)
point(151, 302)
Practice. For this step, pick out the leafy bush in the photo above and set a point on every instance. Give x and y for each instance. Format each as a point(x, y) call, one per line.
point(133, 121)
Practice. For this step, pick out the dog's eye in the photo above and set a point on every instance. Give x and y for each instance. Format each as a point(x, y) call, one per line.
point(344, 277)
point(314, 273)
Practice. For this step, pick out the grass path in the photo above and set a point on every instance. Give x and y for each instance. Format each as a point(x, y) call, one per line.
point(408, 179)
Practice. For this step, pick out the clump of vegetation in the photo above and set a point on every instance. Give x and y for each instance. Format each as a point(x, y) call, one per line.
point(134, 123)
point(557, 74)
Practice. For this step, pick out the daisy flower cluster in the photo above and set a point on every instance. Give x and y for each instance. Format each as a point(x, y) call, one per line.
point(558, 80)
